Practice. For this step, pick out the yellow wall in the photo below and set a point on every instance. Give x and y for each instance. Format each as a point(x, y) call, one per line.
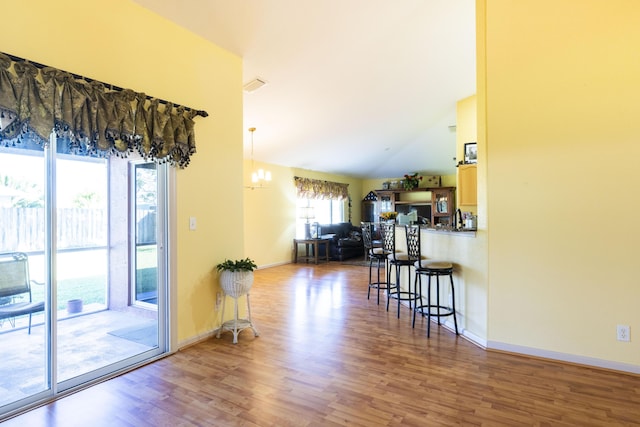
point(270, 213)
point(466, 131)
point(562, 130)
point(119, 42)
point(467, 124)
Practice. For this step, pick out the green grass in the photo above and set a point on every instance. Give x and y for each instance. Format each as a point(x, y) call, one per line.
point(147, 280)
point(89, 289)
point(146, 270)
point(93, 289)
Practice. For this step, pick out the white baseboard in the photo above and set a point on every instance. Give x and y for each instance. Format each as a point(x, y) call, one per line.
point(196, 339)
point(472, 338)
point(480, 342)
point(276, 264)
point(564, 357)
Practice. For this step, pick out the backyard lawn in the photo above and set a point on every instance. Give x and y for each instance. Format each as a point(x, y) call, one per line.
point(90, 289)
point(83, 275)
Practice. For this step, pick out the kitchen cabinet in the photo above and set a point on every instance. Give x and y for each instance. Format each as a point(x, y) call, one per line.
point(370, 212)
point(467, 185)
point(443, 202)
point(386, 201)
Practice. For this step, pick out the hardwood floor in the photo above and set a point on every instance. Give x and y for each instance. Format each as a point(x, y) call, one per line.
point(327, 356)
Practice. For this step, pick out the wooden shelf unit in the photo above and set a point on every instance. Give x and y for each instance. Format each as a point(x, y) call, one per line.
point(434, 203)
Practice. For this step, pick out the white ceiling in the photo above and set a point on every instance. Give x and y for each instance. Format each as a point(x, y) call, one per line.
point(366, 88)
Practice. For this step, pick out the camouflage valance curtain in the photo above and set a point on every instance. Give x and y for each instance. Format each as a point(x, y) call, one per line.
point(317, 189)
point(90, 116)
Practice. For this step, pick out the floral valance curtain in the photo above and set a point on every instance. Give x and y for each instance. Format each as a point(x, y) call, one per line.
point(90, 117)
point(317, 189)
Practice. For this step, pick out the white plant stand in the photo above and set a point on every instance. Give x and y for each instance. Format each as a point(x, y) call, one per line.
point(236, 284)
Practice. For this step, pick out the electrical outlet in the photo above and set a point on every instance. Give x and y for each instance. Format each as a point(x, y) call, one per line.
point(623, 333)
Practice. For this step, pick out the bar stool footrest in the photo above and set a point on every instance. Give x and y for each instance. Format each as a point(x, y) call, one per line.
point(425, 310)
point(404, 296)
point(378, 285)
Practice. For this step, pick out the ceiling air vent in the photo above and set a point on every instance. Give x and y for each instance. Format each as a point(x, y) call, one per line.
point(254, 85)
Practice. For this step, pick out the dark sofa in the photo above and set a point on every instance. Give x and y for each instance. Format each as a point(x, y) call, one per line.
point(346, 240)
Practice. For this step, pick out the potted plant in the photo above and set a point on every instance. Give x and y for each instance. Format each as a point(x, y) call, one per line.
point(411, 181)
point(236, 277)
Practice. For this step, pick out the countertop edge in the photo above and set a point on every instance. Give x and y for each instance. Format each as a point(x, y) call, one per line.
point(461, 233)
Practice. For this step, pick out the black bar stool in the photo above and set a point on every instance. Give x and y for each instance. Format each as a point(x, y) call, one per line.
point(432, 269)
point(397, 260)
point(376, 253)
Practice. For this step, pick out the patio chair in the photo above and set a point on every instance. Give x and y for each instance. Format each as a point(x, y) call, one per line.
point(15, 287)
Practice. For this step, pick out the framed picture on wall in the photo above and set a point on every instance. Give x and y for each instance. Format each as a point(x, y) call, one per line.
point(471, 152)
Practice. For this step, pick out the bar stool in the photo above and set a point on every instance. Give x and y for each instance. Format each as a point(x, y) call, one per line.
point(397, 260)
point(378, 254)
point(432, 269)
point(376, 242)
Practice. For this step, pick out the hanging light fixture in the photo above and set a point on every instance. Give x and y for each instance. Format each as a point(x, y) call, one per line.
point(260, 176)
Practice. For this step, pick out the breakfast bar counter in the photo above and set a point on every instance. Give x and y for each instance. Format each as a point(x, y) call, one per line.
point(466, 250)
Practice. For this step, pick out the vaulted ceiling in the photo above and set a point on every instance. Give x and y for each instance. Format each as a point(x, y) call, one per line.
point(366, 88)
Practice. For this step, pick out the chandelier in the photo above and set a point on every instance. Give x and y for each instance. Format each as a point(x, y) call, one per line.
point(259, 177)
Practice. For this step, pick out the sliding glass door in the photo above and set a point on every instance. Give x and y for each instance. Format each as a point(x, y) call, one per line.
point(24, 351)
point(94, 233)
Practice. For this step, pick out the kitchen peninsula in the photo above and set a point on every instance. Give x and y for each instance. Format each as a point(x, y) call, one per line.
point(463, 249)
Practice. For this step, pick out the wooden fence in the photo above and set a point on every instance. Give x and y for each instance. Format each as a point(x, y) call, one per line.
point(22, 229)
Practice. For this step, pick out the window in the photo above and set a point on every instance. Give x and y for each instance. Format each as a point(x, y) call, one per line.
point(322, 211)
point(319, 201)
